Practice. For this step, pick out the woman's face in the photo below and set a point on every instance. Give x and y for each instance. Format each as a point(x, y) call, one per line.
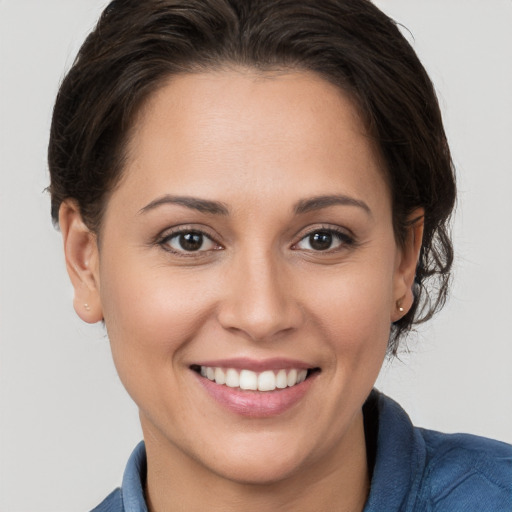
point(250, 239)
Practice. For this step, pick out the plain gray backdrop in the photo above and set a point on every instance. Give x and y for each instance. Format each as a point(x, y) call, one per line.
point(67, 425)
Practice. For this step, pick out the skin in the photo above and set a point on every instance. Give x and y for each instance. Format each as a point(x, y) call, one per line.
point(259, 145)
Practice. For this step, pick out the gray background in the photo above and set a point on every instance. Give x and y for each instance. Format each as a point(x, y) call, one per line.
point(67, 426)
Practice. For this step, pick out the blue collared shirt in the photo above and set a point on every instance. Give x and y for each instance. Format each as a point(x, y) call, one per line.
point(416, 470)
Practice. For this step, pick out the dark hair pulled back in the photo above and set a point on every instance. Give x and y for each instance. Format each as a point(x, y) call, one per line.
point(136, 46)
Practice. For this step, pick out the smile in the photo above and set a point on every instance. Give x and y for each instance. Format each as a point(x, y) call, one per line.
point(268, 389)
point(268, 380)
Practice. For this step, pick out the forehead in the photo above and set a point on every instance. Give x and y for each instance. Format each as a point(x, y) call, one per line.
point(257, 131)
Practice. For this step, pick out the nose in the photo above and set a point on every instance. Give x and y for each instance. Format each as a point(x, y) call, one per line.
point(259, 300)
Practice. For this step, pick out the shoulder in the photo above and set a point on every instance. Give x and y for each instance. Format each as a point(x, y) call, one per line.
point(130, 496)
point(112, 503)
point(466, 472)
point(419, 470)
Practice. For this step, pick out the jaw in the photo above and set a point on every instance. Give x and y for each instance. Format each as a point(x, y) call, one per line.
point(261, 469)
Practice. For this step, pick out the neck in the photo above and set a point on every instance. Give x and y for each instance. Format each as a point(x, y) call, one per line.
point(337, 481)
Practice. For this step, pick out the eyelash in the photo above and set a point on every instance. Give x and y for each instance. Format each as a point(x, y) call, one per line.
point(164, 242)
point(346, 241)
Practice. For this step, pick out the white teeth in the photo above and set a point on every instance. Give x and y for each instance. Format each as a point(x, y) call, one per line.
point(232, 378)
point(301, 376)
point(220, 376)
point(292, 377)
point(267, 380)
point(248, 380)
point(281, 379)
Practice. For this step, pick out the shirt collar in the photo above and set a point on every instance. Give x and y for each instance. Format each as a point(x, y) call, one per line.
point(399, 460)
point(134, 480)
point(400, 456)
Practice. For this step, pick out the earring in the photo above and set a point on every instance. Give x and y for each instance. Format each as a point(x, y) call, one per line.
point(87, 307)
point(399, 306)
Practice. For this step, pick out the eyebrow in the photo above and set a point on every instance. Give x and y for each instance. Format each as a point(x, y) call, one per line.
point(194, 203)
point(218, 208)
point(319, 202)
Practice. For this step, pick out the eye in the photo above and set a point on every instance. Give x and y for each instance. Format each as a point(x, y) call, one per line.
point(189, 242)
point(324, 240)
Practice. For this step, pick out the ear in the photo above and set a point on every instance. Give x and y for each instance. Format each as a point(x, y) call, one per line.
point(407, 261)
point(82, 262)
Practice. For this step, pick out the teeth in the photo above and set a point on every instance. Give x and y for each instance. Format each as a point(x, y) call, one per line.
point(232, 378)
point(267, 381)
point(292, 378)
point(249, 380)
point(220, 376)
point(281, 379)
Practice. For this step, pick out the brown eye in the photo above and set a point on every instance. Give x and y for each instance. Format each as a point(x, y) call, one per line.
point(189, 241)
point(323, 240)
point(320, 241)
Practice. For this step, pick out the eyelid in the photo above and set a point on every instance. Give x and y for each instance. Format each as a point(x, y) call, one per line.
point(346, 237)
point(164, 236)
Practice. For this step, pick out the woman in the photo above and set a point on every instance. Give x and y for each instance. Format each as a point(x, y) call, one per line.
point(254, 198)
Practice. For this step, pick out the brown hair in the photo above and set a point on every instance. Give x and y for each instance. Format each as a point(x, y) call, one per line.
point(136, 46)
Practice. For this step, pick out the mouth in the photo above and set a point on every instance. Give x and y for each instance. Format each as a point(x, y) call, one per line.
point(248, 380)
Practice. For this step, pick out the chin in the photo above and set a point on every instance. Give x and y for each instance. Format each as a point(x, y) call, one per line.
point(260, 472)
point(258, 460)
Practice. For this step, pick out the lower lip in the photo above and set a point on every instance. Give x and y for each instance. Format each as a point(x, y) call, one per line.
point(256, 404)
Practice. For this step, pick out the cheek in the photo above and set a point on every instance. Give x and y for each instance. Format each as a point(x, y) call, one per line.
point(355, 302)
point(352, 310)
point(150, 315)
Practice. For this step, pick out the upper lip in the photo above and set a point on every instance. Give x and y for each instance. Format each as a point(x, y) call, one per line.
point(256, 365)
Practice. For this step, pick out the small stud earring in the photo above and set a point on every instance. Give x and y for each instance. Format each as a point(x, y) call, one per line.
point(87, 307)
point(399, 306)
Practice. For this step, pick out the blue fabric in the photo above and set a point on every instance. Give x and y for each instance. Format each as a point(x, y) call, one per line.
point(112, 503)
point(416, 470)
point(130, 497)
